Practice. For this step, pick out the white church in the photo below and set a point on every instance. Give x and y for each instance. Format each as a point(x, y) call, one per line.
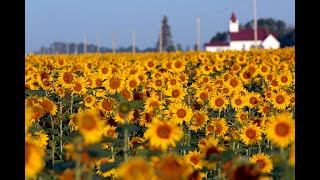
point(243, 39)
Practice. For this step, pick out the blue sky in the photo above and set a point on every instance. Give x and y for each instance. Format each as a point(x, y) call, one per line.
point(68, 20)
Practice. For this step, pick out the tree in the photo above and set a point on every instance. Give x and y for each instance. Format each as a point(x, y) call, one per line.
point(179, 47)
point(167, 43)
point(219, 37)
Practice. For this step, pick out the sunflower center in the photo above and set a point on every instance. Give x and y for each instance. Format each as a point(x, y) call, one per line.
point(168, 65)
point(163, 131)
point(173, 82)
point(67, 78)
point(133, 83)
point(253, 100)
point(241, 58)
point(175, 93)
point(205, 79)
point(89, 81)
point(218, 128)
point(212, 150)
point(107, 105)
point(233, 82)
point(47, 106)
point(104, 70)
point(243, 117)
point(114, 83)
point(158, 82)
point(89, 66)
point(110, 133)
point(89, 99)
point(269, 77)
point(46, 83)
point(225, 90)
point(260, 163)
point(238, 102)
point(182, 77)
point(89, 122)
point(204, 96)
point(178, 64)
point(125, 93)
point(250, 133)
point(37, 112)
point(210, 128)
point(194, 159)
point(77, 87)
point(154, 104)
point(274, 82)
point(280, 99)
point(252, 69)
point(219, 102)
point(246, 75)
point(235, 68)
point(264, 69)
point(199, 119)
point(61, 62)
point(150, 64)
point(98, 82)
point(181, 113)
point(207, 68)
point(266, 109)
point(282, 129)
point(284, 79)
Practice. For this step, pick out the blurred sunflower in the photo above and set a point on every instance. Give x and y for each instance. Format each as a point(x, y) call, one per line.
point(194, 159)
point(90, 125)
point(211, 148)
point(37, 112)
point(250, 134)
point(281, 129)
point(40, 139)
point(89, 101)
point(132, 82)
point(236, 68)
point(79, 86)
point(178, 65)
point(233, 82)
point(241, 59)
point(150, 64)
point(110, 131)
point(163, 134)
point(262, 161)
point(220, 126)
point(135, 168)
point(153, 103)
point(33, 159)
point(120, 118)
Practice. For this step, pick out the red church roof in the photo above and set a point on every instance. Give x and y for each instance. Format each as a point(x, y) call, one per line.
point(233, 17)
point(218, 43)
point(248, 34)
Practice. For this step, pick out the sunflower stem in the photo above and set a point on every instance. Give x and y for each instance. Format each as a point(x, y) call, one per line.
point(90, 173)
point(125, 139)
point(52, 147)
point(61, 131)
point(78, 161)
point(71, 103)
point(233, 146)
point(219, 171)
point(259, 147)
point(112, 152)
point(161, 103)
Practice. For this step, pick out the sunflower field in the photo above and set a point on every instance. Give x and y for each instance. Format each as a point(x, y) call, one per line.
point(161, 116)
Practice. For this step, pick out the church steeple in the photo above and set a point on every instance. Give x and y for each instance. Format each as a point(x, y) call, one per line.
point(233, 23)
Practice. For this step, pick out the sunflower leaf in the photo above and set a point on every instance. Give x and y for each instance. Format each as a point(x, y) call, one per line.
point(97, 151)
point(61, 166)
point(108, 166)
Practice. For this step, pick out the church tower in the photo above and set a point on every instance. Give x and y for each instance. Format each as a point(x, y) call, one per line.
point(233, 24)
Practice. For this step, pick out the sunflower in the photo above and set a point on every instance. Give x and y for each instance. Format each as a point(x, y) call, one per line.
point(176, 93)
point(135, 168)
point(242, 117)
point(250, 134)
point(89, 101)
point(220, 56)
point(167, 64)
point(110, 131)
point(33, 159)
point(132, 82)
point(150, 64)
point(205, 69)
point(280, 100)
point(79, 86)
point(181, 113)
point(284, 78)
point(263, 69)
point(275, 59)
point(120, 118)
point(157, 84)
point(219, 102)
point(48, 106)
point(73, 122)
point(136, 140)
point(90, 125)
point(262, 161)
point(211, 147)
point(147, 118)
point(37, 112)
point(265, 109)
point(194, 159)
point(226, 90)
point(253, 99)
point(209, 129)
point(60, 91)
point(274, 85)
point(237, 101)
point(241, 59)
point(220, 126)
point(178, 65)
point(127, 93)
point(66, 78)
point(281, 129)
point(198, 120)
point(106, 105)
point(245, 76)
point(218, 66)
point(101, 162)
point(171, 167)
point(152, 103)
point(46, 85)
point(233, 82)
point(113, 84)
point(163, 134)
point(236, 68)
point(173, 81)
point(97, 80)
point(183, 78)
point(202, 95)
point(104, 70)
point(253, 69)
point(40, 139)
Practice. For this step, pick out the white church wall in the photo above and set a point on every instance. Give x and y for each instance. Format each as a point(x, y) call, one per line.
point(243, 45)
point(216, 48)
point(233, 26)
